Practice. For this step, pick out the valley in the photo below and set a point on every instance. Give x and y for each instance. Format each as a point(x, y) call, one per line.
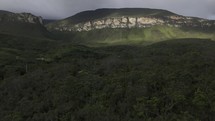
point(107, 65)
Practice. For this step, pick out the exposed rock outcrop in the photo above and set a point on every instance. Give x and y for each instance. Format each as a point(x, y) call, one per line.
point(29, 18)
point(20, 17)
point(134, 22)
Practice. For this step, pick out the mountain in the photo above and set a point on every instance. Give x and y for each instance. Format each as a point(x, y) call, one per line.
point(130, 26)
point(24, 24)
point(19, 17)
point(126, 18)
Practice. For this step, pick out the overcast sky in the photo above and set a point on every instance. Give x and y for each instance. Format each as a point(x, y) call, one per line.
point(57, 9)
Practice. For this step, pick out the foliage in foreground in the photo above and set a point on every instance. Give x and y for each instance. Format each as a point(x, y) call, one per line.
point(167, 81)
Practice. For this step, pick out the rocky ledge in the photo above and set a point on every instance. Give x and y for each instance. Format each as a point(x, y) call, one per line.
point(134, 22)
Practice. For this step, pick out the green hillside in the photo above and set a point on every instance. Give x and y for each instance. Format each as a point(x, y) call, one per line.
point(12, 23)
point(24, 29)
point(135, 36)
point(174, 26)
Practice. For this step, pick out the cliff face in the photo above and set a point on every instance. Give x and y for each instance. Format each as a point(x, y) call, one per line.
point(29, 18)
point(125, 18)
point(134, 22)
point(116, 22)
point(20, 17)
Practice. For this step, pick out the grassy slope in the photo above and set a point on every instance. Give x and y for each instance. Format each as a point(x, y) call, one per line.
point(107, 37)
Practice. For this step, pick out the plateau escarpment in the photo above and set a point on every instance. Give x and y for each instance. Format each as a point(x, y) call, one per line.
point(115, 22)
point(119, 20)
point(20, 17)
point(134, 22)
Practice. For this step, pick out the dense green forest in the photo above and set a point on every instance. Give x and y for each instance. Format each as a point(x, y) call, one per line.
point(43, 80)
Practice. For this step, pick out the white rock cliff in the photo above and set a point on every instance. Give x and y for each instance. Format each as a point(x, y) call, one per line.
point(132, 22)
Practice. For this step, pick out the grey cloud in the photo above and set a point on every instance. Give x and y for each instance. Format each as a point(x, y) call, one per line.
point(64, 8)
